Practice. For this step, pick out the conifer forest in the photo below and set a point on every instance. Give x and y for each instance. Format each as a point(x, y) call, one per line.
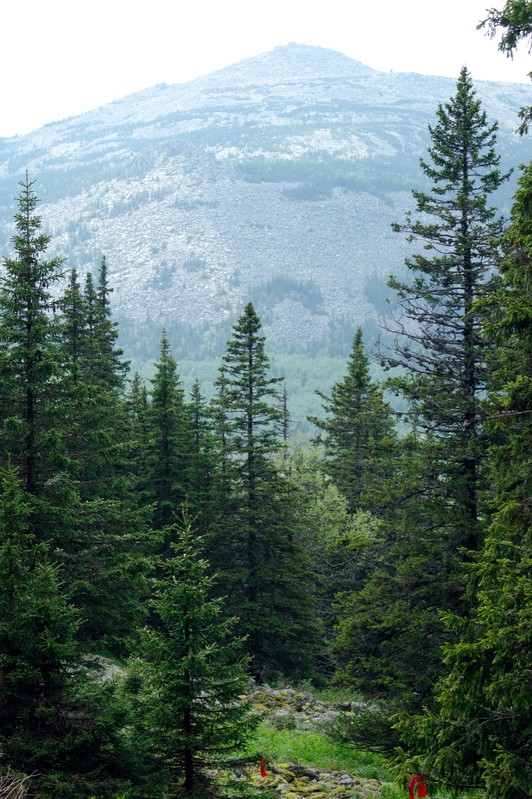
point(164, 554)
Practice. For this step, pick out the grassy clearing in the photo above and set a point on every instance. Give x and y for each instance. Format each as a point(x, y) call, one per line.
point(315, 749)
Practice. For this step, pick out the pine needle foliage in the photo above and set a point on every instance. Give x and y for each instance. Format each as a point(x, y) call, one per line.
point(195, 672)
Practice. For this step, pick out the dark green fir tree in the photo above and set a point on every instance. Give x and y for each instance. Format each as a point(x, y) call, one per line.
point(168, 442)
point(479, 731)
point(201, 460)
point(138, 426)
point(439, 339)
point(108, 363)
point(28, 351)
point(93, 383)
point(358, 434)
point(391, 630)
point(105, 545)
point(56, 723)
point(193, 717)
point(263, 570)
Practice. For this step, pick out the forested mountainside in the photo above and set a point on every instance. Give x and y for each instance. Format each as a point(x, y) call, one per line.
point(274, 180)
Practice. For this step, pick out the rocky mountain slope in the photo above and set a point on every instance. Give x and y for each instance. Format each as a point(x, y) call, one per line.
point(275, 179)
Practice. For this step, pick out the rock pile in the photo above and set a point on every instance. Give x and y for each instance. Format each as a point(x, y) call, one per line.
point(286, 704)
point(291, 781)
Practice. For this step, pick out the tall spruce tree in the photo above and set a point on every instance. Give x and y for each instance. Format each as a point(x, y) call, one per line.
point(262, 567)
point(167, 439)
point(479, 732)
point(99, 382)
point(442, 350)
point(439, 341)
point(201, 459)
point(22, 673)
point(104, 546)
point(81, 412)
point(72, 316)
point(358, 434)
point(195, 674)
point(108, 363)
point(55, 722)
point(37, 631)
point(28, 354)
point(219, 414)
point(138, 425)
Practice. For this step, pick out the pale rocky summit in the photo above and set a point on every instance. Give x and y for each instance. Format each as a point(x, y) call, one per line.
point(275, 179)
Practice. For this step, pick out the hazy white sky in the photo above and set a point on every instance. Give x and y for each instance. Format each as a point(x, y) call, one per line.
point(64, 57)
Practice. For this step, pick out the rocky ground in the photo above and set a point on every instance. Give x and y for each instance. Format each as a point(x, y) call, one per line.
point(301, 707)
point(287, 708)
point(293, 781)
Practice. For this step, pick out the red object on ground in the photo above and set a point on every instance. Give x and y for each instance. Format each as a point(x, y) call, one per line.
point(262, 769)
point(418, 779)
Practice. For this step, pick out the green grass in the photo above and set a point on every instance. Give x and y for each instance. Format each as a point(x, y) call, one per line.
point(309, 748)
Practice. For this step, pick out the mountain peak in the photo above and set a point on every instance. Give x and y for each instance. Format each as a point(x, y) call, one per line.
point(289, 62)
